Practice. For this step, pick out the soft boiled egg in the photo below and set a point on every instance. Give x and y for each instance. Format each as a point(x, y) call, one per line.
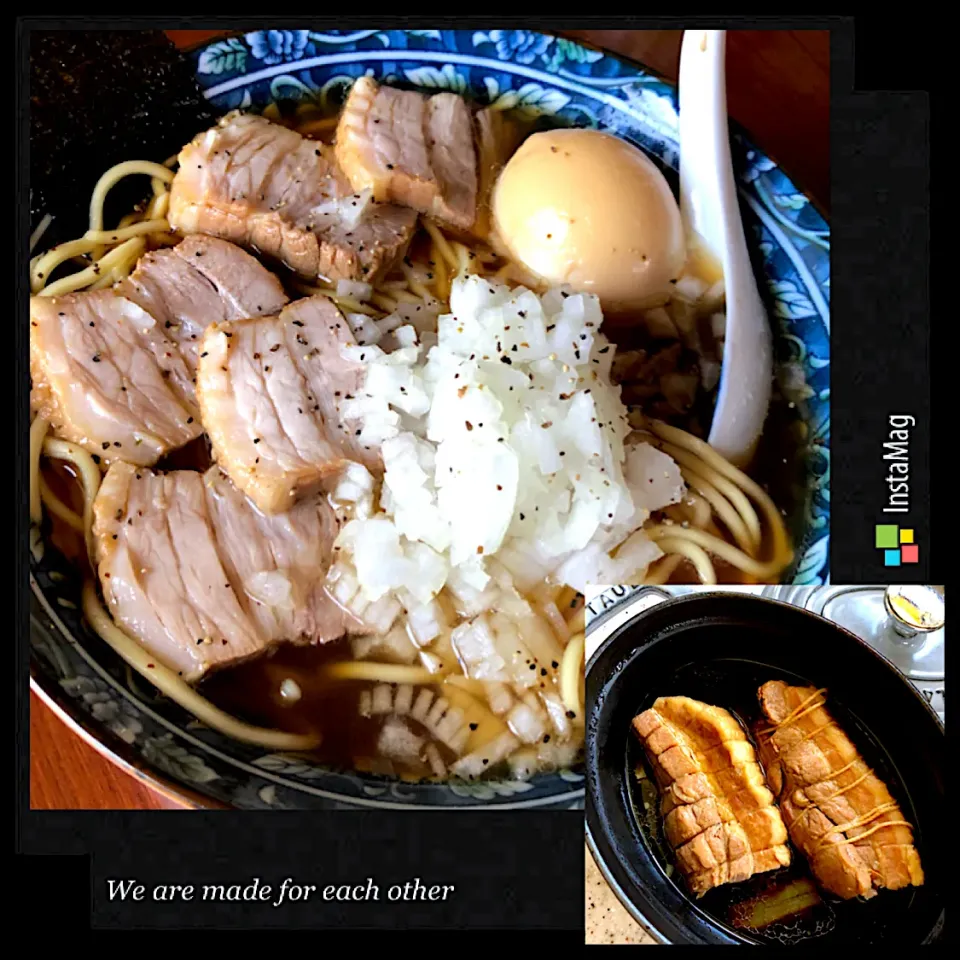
point(590, 210)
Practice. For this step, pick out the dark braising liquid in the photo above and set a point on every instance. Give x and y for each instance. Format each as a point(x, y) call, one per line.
point(733, 685)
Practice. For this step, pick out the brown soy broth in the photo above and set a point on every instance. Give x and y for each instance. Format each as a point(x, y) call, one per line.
point(780, 465)
point(726, 572)
point(64, 483)
point(194, 456)
point(420, 248)
point(251, 690)
point(329, 707)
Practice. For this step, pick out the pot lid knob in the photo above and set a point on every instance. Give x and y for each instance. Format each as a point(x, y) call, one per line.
point(914, 608)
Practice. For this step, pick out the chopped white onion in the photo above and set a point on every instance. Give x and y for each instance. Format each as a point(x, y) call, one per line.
point(660, 324)
point(554, 617)
point(365, 330)
point(389, 323)
point(477, 763)
point(499, 697)
point(353, 484)
point(557, 754)
point(273, 589)
point(526, 723)
point(557, 711)
point(353, 208)
point(425, 622)
point(523, 764)
point(365, 703)
point(354, 288)
point(422, 704)
point(690, 288)
point(502, 438)
point(381, 614)
point(718, 325)
point(343, 584)
point(394, 646)
point(476, 649)
point(709, 373)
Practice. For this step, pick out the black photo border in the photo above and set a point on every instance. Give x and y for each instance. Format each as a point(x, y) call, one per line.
point(523, 870)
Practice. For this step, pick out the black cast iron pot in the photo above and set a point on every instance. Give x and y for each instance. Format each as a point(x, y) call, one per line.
point(720, 648)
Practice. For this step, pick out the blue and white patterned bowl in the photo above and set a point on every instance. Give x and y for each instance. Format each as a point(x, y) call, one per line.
point(540, 75)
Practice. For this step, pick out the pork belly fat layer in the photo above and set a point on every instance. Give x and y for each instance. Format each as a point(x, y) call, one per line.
point(719, 815)
point(202, 579)
point(113, 370)
point(270, 392)
point(838, 812)
point(263, 186)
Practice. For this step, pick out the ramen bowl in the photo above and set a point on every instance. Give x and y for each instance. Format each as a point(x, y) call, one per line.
point(555, 82)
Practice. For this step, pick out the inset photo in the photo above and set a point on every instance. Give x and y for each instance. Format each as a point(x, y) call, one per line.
point(765, 765)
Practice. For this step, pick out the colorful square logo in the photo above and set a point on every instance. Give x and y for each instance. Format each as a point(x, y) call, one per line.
point(887, 536)
point(897, 544)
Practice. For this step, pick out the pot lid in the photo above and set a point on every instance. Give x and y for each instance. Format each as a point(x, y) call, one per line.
point(904, 623)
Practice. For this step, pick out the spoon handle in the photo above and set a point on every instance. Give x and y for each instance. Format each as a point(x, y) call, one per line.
point(711, 215)
point(705, 162)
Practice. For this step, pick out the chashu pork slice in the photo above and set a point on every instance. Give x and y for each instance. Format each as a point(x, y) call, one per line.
point(200, 281)
point(114, 369)
point(411, 149)
point(277, 563)
point(264, 186)
point(106, 376)
point(197, 575)
point(838, 812)
point(719, 815)
point(270, 392)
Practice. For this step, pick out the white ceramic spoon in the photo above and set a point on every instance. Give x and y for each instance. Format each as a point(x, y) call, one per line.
point(708, 203)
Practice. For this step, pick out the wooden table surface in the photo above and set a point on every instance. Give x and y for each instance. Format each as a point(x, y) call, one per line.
point(778, 88)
